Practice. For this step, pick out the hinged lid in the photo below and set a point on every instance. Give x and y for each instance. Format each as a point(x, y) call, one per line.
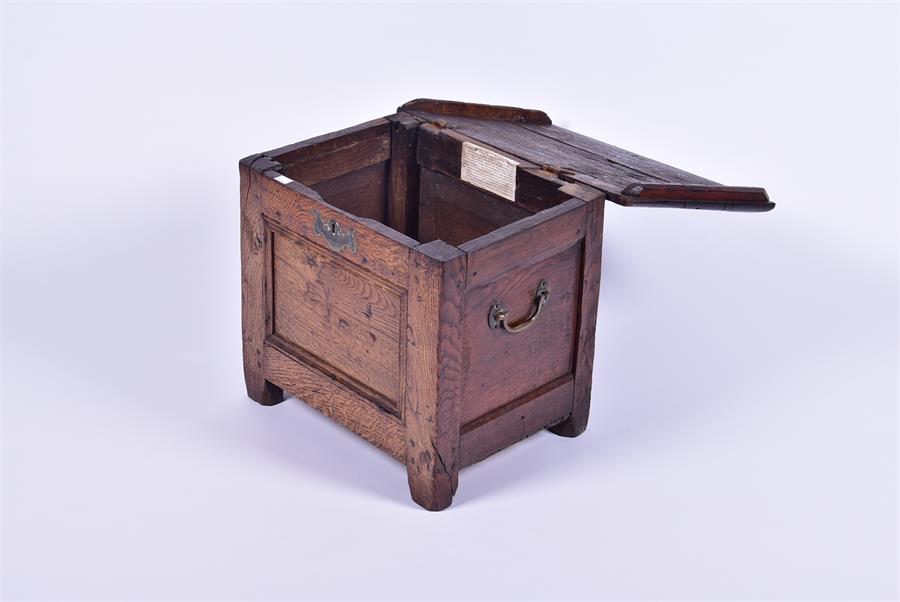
point(625, 177)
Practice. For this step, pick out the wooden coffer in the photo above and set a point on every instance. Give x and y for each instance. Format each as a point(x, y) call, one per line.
point(429, 280)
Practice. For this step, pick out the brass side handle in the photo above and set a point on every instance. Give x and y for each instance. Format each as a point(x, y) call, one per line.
point(337, 238)
point(498, 315)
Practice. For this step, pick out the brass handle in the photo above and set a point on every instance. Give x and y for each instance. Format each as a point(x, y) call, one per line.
point(334, 235)
point(498, 315)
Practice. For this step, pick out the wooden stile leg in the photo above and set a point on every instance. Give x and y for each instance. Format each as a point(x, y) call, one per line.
point(575, 424)
point(434, 378)
point(266, 393)
point(255, 263)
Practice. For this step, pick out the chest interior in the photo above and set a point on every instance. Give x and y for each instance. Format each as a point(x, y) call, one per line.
point(407, 175)
point(410, 175)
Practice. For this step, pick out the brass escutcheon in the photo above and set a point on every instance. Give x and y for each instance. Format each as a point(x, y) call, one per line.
point(497, 316)
point(334, 235)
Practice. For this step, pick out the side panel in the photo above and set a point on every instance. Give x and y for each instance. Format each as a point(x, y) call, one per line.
point(514, 422)
point(504, 368)
point(501, 366)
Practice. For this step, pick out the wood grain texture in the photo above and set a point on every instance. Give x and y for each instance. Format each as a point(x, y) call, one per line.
point(360, 192)
point(440, 149)
point(434, 377)
point(327, 166)
point(336, 401)
point(500, 366)
point(515, 421)
point(613, 154)
point(523, 242)
point(684, 196)
point(573, 162)
point(255, 286)
point(538, 188)
point(327, 143)
point(477, 111)
point(587, 323)
point(453, 211)
point(578, 158)
point(379, 248)
point(403, 175)
point(339, 314)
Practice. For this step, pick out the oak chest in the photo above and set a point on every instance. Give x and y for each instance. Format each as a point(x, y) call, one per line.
point(430, 279)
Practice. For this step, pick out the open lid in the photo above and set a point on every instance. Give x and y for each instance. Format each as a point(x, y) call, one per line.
point(625, 177)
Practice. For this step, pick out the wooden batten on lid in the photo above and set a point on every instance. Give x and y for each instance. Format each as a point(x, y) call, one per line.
point(624, 177)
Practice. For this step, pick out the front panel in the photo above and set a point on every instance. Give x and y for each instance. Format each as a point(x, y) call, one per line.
point(339, 318)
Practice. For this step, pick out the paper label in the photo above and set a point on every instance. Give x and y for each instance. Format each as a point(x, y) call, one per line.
point(283, 179)
point(488, 170)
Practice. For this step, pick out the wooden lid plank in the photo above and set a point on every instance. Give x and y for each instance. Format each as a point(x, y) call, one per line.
point(625, 177)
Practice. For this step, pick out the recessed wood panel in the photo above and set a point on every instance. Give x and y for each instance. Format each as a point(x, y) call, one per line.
point(499, 366)
point(348, 321)
point(515, 421)
point(336, 401)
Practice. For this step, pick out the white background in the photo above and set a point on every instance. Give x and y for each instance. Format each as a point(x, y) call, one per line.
point(743, 437)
